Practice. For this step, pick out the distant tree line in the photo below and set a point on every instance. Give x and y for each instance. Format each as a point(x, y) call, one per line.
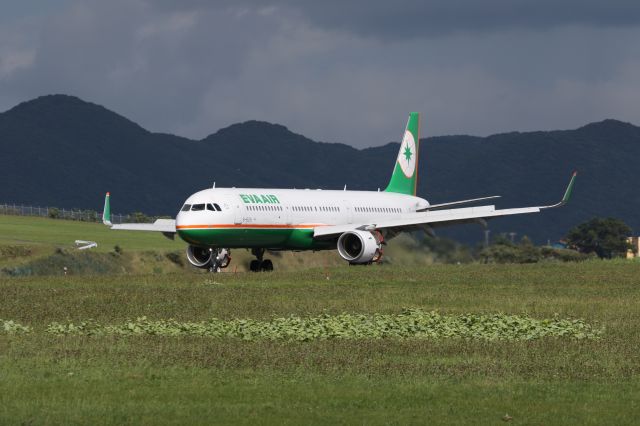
point(71, 214)
point(604, 238)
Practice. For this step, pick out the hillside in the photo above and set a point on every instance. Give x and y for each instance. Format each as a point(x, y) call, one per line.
point(59, 150)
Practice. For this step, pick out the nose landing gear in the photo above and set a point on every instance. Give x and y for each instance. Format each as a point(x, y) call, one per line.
point(220, 258)
point(260, 264)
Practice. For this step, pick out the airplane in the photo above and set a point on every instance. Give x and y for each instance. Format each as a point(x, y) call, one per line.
point(356, 223)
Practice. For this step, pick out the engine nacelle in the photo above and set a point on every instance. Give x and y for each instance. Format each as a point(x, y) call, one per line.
point(199, 257)
point(359, 247)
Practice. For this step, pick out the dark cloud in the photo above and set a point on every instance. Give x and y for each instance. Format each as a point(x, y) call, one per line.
point(334, 71)
point(425, 18)
point(416, 18)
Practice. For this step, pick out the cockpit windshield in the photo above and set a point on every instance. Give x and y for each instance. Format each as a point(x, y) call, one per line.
point(213, 207)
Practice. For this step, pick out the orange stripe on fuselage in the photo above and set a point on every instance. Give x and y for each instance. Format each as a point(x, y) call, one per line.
point(261, 226)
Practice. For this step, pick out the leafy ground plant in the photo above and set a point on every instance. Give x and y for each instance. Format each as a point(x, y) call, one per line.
point(12, 327)
point(410, 323)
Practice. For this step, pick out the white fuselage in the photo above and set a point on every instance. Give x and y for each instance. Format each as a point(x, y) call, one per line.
point(282, 218)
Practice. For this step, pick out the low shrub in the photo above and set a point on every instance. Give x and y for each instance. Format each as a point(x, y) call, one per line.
point(12, 327)
point(411, 323)
point(14, 251)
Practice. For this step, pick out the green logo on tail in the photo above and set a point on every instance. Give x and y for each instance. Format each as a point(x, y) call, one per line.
point(405, 173)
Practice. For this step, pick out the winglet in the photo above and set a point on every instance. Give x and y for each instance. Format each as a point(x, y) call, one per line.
point(567, 193)
point(106, 213)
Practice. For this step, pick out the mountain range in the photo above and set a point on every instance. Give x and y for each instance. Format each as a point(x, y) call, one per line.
point(59, 150)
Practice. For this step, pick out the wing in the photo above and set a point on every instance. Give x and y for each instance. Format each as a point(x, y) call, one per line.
point(436, 218)
point(160, 225)
point(456, 203)
point(166, 226)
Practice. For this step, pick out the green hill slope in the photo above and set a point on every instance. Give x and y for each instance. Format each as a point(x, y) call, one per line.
point(59, 150)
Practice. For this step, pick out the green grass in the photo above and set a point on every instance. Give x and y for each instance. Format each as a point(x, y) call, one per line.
point(43, 236)
point(75, 379)
point(38, 231)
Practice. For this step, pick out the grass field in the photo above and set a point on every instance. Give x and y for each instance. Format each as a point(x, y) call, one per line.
point(151, 379)
point(36, 243)
point(46, 233)
point(143, 251)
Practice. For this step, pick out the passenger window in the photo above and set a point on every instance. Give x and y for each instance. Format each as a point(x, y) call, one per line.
point(186, 208)
point(197, 207)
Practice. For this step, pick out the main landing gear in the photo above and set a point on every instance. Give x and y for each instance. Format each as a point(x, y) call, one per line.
point(260, 264)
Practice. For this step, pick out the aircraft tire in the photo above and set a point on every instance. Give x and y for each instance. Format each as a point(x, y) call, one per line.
point(254, 266)
point(267, 265)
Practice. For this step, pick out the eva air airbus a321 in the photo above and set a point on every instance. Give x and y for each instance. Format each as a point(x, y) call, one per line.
point(356, 223)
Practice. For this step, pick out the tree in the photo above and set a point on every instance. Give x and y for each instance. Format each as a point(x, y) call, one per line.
point(54, 213)
point(606, 237)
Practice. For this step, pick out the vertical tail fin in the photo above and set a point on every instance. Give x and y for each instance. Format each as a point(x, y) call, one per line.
point(405, 173)
point(106, 213)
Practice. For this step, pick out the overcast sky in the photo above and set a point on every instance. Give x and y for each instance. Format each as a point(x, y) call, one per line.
point(336, 71)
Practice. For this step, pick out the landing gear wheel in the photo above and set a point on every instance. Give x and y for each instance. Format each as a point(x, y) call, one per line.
point(260, 264)
point(267, 265)
point(254, 266)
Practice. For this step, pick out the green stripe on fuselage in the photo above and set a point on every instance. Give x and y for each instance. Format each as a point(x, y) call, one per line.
point(273, 238)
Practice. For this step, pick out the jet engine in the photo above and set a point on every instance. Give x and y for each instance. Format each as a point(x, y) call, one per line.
point(360, 247)
point(200, 257)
